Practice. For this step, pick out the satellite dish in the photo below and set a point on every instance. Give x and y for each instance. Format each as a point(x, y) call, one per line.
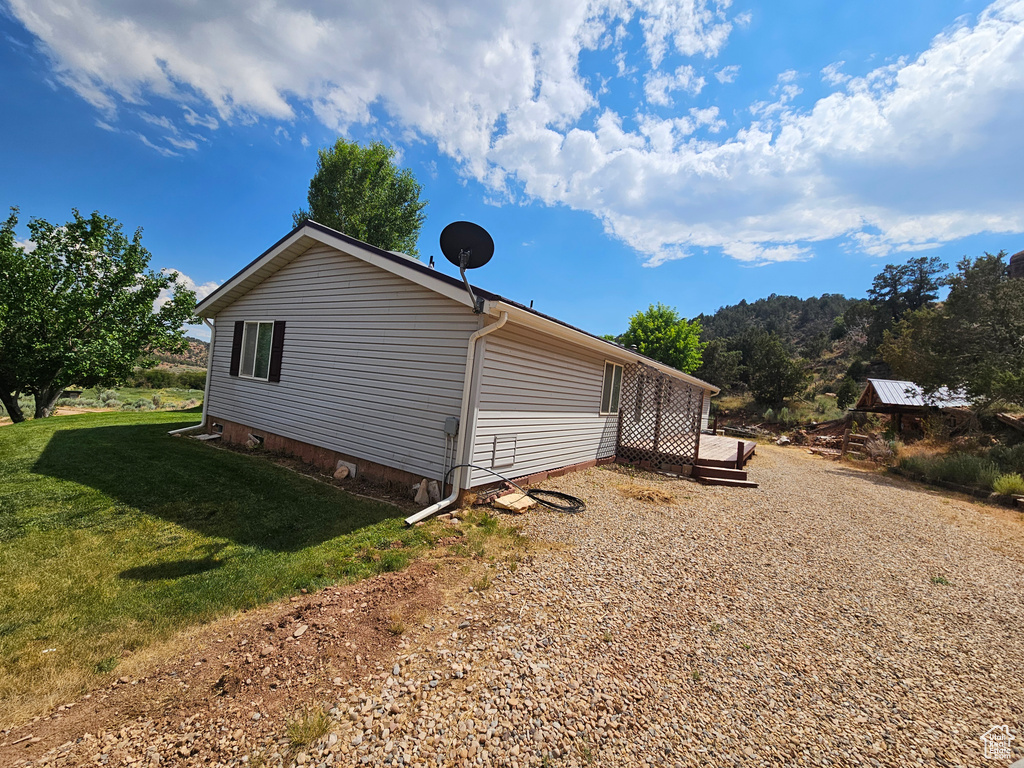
point(467, 246)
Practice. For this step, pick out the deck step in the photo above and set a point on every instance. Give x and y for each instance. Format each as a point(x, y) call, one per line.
point(726, 482)
point(722, 472)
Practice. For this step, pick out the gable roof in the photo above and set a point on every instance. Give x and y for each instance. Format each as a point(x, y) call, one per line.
point(310, 233)
point(889, 392)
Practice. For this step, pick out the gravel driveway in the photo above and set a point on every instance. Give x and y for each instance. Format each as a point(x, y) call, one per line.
point(830, 617)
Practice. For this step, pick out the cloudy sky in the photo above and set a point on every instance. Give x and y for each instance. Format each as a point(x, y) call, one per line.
point(621, 152)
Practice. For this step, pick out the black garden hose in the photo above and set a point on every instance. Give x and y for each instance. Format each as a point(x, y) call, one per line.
point(569, 504)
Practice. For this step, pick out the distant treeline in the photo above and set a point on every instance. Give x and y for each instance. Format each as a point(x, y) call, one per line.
point(161, 378)
point(799, 323)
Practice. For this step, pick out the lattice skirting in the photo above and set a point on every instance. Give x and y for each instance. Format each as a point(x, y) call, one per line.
point(659, 419)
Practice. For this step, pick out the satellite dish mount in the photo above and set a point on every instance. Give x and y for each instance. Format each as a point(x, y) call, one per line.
point(467, 246)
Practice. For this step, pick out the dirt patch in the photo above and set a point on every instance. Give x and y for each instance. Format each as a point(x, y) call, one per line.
point(253, 670)
point(395, 494)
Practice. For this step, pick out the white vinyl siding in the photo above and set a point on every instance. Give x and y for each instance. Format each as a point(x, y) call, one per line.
point(256, 339)
point(538, 405)
point(372, 363)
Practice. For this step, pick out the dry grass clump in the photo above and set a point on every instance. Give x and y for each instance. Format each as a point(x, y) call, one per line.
point(308, 726)
point(647, 494)
point(396, 624)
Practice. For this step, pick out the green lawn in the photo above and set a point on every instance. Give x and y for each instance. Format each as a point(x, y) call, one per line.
point(114, 535)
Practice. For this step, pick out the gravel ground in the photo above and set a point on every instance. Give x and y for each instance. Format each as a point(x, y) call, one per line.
point(829, 617)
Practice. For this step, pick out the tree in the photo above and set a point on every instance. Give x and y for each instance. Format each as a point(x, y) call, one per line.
point(719, 365)
point(903, 288)
point(773, 375)
point(847, 394)
point(359, 191)
point(974, 340)
point(662, 333)
point(77, 308)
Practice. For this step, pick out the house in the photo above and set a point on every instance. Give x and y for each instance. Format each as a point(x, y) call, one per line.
point(333, 350)
point(905, 398)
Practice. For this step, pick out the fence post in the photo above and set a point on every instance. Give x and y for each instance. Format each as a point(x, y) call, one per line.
point(846, 443)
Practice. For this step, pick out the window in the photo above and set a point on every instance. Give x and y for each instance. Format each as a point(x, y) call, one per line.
point(256, 349)
point(612, 385)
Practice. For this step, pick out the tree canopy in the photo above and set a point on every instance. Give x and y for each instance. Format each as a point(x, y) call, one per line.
point(974, 340)
point(774, 376)
point(662, 333)
point(77, 308)
point(359, 190)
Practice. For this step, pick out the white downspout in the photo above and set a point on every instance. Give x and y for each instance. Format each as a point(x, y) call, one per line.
point(209, 379)
point(462, 438)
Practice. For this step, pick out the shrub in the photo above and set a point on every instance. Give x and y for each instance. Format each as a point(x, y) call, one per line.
point(192, 379)
point(965, 469)
point(157, 400)
point(114, 403)
point(1009, 485)
point(1009, 458)
point(959, 468)
point(769, 416)
point(786, 416)
point(107, 395)
point(881, 451)
point(154, 378)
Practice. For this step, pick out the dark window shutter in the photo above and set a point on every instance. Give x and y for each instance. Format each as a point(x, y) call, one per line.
point(276, 347)
point(236, 347)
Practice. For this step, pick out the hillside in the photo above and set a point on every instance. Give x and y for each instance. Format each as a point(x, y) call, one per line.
point(194, 356)
point(800, 323)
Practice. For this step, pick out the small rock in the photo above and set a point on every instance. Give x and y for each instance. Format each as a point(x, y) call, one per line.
point(422, 494)
point(301, 630)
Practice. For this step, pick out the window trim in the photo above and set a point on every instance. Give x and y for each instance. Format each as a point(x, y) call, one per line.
point(255, 352)
point(604, 383)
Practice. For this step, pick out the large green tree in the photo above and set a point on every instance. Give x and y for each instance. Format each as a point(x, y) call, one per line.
point(974, 340)
point(77, 307)
point(902, 288)
point(360, 191)
point(720, 365)
point(774, 375)
point(662, 333)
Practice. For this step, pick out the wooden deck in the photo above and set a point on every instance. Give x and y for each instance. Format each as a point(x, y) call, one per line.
point(717, 451)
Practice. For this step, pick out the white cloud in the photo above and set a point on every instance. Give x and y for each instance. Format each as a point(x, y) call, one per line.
point(205, 121)
point(304, 141)
point(832, 74)
point(920, 151)
point(182, 143)
point(658, 85)
point(728, 74)
point(159, 121)
point(201, 290)
point(165, 151)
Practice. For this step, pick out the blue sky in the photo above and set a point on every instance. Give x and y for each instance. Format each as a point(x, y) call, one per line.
point(621, 152)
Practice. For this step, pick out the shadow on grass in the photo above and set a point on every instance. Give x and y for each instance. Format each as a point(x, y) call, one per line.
point(223, 495)
point(172, 570)
point(176, 569)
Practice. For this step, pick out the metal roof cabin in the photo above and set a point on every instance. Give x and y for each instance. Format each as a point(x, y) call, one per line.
point(899, 398)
